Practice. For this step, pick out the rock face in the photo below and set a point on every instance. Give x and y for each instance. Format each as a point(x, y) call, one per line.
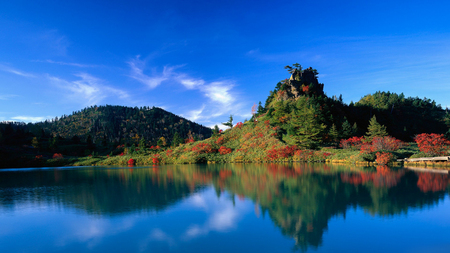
point(302, 82)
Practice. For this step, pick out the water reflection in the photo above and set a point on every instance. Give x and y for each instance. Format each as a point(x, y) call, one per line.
point(300, 199)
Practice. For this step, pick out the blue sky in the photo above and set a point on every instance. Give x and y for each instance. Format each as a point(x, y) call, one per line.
point(205, 60)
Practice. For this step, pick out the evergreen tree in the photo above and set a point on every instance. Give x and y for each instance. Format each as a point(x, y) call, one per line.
point(177, 140)
point(35, 142)
point(229, 123)
point(333, 133)
point(375, 129)
point(347, 130)
point(216, 130)
point(142, 145)
point(307, 127)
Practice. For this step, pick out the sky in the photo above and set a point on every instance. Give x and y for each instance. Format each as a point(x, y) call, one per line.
point(207, 60)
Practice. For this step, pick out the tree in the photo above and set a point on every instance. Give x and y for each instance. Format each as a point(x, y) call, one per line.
point(177, 140)
point(142, 145)
point(35, 142)
point(333, 133)
point(216, 130)
point(375, 129)
point(161, 142)
point(346, 130)
point(307, 127)
point(229, 123)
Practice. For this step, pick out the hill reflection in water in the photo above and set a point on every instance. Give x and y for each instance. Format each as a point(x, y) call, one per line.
point(300, 199)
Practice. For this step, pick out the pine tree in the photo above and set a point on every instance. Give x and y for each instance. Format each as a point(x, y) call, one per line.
point(308, 129)
point(375, 129)
point(333, 133)
point(229, 123)
point(347, 130)
point(176, 141)
point(142, 145)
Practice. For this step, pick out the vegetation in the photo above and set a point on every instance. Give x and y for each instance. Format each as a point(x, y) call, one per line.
point(299, 122)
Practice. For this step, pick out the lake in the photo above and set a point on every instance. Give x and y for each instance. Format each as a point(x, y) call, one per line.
point(224, 208)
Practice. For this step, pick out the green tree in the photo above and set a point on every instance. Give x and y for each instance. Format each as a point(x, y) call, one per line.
point(347, 130)
point(375, 129)
point(177, 140)
point(333, 134)
point(142, 145)
point(35, 142)
point(229, 123)
point(216, 130)
point(308, 129)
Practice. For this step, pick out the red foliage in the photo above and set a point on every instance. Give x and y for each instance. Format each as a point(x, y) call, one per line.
point(57, 156)
point(305, 88)
point(224, 150)
point(89, 155)
point(225, 173)
point(352, 143)
point(189, 140)
point(38, 157)
point(239, 125)
point(384, 158)
point(203, 148)
point(220, 141)
point(432, 144)
point(285, 152)
point(169, 152)
point(131, 161)
point(432, 182)
point(155, 160)
point(121, 154)
point(386, 143)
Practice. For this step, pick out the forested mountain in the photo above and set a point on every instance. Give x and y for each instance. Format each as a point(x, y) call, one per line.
point(100, 129)
point(122, 124)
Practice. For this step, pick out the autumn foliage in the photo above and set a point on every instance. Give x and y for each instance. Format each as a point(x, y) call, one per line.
point(432, 144)
point(203, 148)
point(384, 158)
point(57, 156)
point(224, 150)
point(131, 161)
point(352, 143)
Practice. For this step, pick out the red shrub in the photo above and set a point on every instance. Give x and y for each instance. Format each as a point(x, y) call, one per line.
point(224, 150)
point(169, 152)
point(155, 160)
point(285, 152)
point(203, 148)
point(384, 158)
point(386, 143)
point(57, 156)
point(131, 161)
point(432, 144)
point(220, 141)
point(352, 143)
point(239, 125)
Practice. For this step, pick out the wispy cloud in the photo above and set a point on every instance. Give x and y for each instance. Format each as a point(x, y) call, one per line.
point(68, 63)
point(15, 71)
point(137, 72)
point(29, 118)
point(53, 40)
point(7, 96)
point(89, 90)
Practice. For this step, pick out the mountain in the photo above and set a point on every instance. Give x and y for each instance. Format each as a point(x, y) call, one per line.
point(120, 124)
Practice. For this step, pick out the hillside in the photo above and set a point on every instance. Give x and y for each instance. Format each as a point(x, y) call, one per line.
point(124, 125)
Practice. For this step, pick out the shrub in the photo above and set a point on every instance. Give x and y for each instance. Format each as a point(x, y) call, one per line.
point(57, 156)
point(239, 125)
point(131, 161)
point(352, 143)
point(432, 144)
point(224, 150)
point(384, 158)
point(203, 148)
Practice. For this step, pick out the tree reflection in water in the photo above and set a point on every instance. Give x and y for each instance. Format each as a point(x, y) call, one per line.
point(299, 198)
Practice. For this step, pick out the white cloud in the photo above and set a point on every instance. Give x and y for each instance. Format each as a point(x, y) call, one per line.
point(69, 64)
point(7, 96)
point(137, 72)
point(29, 118)
point(15, 71)
point(220, 97)
point(88, 90)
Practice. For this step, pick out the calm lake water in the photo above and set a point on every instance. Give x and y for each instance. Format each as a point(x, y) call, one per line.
point(226, 208)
